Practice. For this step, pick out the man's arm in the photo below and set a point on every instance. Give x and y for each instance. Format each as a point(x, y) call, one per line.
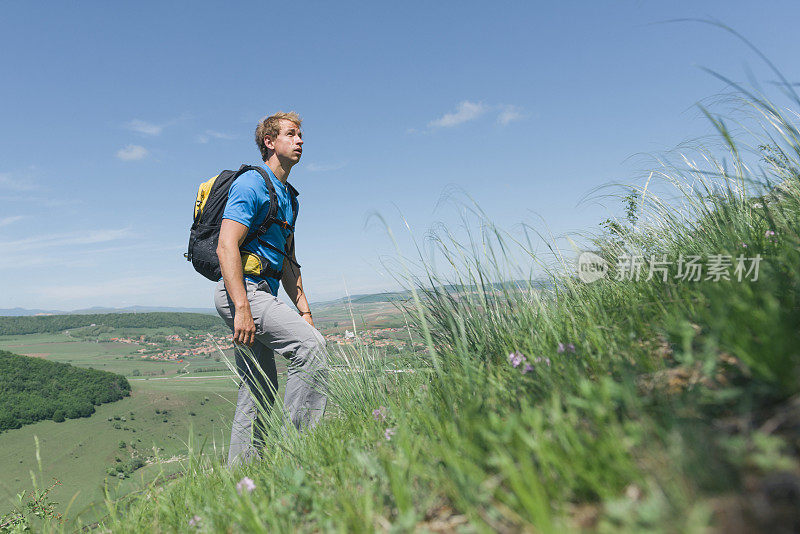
point(293, 285)
point(231, 236)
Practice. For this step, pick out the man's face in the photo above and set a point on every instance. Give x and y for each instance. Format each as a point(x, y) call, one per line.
point(288, 145)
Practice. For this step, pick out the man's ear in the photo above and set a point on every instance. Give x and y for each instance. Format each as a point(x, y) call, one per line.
point(268, 142)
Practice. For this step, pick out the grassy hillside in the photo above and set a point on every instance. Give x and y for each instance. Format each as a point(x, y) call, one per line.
point(657, 402)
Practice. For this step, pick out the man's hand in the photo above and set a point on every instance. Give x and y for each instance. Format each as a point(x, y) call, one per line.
point(244, 329)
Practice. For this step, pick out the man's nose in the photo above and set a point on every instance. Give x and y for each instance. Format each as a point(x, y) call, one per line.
point(299, 140)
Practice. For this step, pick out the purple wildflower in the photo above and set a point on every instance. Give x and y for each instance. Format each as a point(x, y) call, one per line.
point(380, 413)
point(516, 358)
point(388, 434)
point(246, 484)
point(527, 368)
point(744, 245)
point(769, 233)
point(569, 347)
point(194, 521)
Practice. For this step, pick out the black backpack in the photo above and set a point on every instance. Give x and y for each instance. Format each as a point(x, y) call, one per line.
point(212, 197)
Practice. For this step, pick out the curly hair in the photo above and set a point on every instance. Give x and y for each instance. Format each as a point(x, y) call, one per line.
point(271, 126)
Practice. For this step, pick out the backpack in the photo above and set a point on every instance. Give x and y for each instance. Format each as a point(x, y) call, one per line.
point(212, 196)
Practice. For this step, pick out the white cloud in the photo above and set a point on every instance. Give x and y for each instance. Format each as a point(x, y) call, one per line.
point(509, 114)
point(49, 241)
point(151, 128)
point(15, 183)
point(466, 111)
point(132, 153)
point(208, 135)
point(320, 167)
point(144, 127)
point(5, 221)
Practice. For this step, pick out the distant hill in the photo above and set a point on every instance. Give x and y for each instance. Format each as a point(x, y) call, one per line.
point(21, 312)
point(58, 323)
point(540, 284)
point(366, 298)
point(15, 312)
point(33, 389)
point(144, 309)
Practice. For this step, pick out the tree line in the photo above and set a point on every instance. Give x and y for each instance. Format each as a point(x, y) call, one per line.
point(58, 323)
point(33, 389)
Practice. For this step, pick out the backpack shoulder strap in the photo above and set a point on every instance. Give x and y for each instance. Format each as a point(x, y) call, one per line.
point(273, 203)
point(293, 194)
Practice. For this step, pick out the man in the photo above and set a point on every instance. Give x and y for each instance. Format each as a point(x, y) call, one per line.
point(263, 325)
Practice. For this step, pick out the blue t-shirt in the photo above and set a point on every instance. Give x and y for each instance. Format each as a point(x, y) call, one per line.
point(248, 204)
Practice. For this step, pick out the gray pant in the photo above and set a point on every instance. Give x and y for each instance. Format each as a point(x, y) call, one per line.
point(281, 330)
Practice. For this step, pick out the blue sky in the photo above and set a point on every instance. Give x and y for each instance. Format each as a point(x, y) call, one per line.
point(115, 112)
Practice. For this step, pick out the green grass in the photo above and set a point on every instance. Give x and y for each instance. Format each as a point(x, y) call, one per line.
point(646, 406)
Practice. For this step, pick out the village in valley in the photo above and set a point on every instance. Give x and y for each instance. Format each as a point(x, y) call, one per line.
point(394, 338)
point(180, 347)
point(176, 348)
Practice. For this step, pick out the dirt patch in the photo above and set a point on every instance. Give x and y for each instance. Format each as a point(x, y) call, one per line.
point(36, 354)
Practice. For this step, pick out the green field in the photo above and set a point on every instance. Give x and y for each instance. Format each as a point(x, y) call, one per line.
point(62, 348)
point(107, 356)
point(335, 317)
point(78, 452)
